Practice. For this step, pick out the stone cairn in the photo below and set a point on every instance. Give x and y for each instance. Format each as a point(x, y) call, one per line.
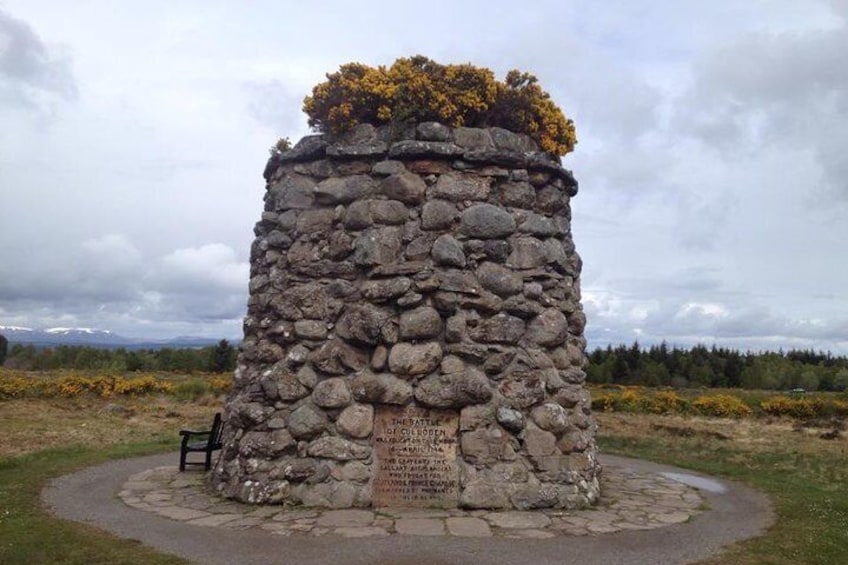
point(414, 290)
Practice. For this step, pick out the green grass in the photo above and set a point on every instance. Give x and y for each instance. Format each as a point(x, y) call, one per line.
point(809, 491)
point(191, 389)
point(29, 535)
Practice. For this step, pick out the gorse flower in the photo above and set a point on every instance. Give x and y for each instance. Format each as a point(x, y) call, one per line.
point(641, 400)
point(418, 89)
point(52, 385)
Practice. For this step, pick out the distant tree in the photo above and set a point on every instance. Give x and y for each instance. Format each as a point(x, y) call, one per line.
point(165, 359)
point(840, 380)
point(652, 373)
point(4, 349)
point(733, 369)
point(600, 370)
point(632, 356)
point(87, 357)
point(620, 370)
point(661, 365)
point(809, 380)
point(223, 357)
point(702, 376)
point(134, 361)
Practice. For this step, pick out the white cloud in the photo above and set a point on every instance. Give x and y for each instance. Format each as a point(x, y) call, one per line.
point(214, 266)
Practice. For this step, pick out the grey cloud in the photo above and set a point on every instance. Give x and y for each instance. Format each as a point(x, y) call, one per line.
point(107, 282)
point(699, 219)
point(105, 270)
point(606, 96)
point(623, 167)
point(684, 280)
point(27, 66)
point(840, 8)
point(771, 89)
point(730, 321)
point(200, 306)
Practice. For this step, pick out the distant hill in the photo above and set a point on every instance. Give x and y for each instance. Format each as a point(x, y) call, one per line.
point(105, 339)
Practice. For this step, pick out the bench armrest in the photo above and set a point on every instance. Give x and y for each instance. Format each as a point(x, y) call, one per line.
point(194, 433)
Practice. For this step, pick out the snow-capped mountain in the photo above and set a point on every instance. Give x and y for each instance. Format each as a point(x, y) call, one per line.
point(62, 336)
point(51, 337)
point(76, 331)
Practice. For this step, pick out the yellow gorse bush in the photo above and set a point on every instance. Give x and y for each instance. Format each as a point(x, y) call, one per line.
point(70, 386)
point(666, 402)
point(220, 384)
point(143, 385)
point(76, 386)
point(13, 387)
point(804, 408)
point(641, 400)
point(636, 399)
point(722, 406)
point(418, 89)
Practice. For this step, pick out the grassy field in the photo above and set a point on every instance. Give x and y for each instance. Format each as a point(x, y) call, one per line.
point(49, 438)
point(806, 476)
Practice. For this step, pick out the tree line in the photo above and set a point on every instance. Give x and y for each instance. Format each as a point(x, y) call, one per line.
point(219, 358)
point(658, 365)
point(661, 365)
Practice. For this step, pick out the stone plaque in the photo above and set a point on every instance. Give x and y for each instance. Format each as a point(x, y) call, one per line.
point(415, 451)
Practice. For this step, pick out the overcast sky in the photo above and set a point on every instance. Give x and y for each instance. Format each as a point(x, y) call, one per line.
point(712, 155)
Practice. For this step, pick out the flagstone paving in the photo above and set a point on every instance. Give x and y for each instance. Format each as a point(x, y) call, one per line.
point(630, 500)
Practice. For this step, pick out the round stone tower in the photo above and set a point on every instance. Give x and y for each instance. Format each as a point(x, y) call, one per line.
point(414, 334)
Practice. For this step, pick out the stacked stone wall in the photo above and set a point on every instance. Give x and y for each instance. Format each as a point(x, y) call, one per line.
point(431, 268)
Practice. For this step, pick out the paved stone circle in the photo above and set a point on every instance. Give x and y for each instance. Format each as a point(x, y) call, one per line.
point(631, 500)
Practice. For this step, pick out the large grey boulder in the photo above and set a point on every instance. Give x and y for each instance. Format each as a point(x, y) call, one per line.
point(485, 221)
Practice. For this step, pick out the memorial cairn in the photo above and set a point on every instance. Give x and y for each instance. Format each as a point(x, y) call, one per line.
point(414, 335)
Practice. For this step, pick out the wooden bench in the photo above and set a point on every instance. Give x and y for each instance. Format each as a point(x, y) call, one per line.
point(211, 441)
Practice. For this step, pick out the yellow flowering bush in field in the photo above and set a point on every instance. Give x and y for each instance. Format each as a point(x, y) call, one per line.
point(13, 387)
point(76, 386)
point(722, 405)
point(418, 89)
point(785, 406)
point(619, 398)
point(636, 399)
point(143, 385)
point(804, 408)
point(603, 402)
point(666, 402)
point(630, 400)
point(220, 384)
point(14, 384)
